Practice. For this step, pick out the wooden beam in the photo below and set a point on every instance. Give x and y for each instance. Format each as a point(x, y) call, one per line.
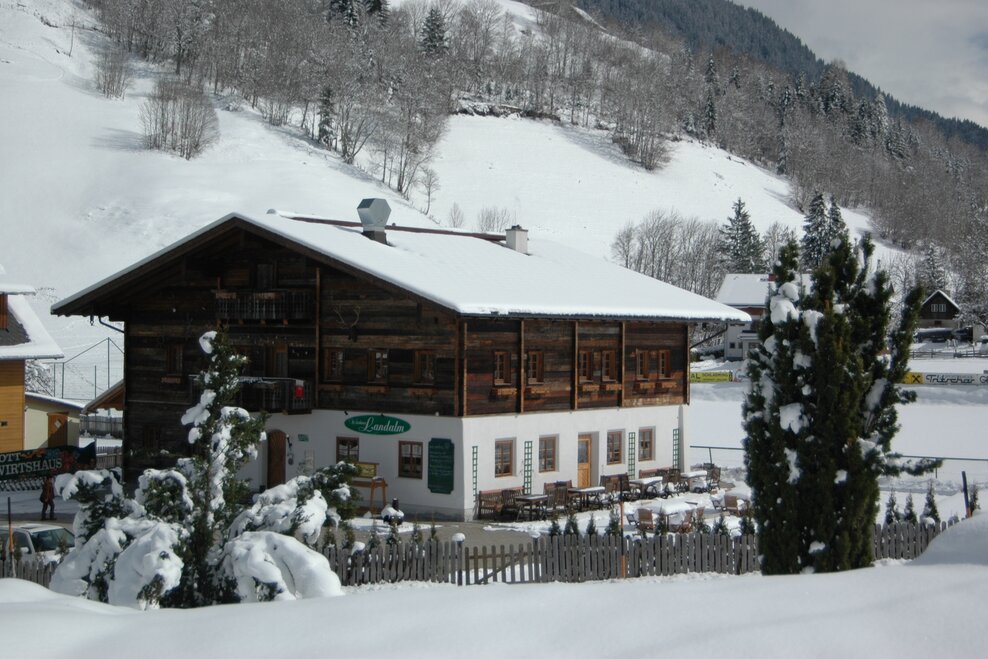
point(622, 358)
point(576, 365)
point(522, 372)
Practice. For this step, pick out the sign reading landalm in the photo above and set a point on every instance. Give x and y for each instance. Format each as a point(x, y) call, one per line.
point(377, 424)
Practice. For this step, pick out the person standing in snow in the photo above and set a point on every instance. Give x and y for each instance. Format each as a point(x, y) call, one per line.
point(48, 498)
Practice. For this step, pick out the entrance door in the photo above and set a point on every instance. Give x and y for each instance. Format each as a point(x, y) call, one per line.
point(277, 444)
point(58, 429)
point(583, 460)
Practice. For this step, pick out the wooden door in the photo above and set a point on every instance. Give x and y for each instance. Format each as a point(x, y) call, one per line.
point(58, 429)
point(277, 444)
point(583, 460)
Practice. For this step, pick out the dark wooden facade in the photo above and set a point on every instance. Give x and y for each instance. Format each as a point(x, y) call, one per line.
point(323, 335)
point(938, 310)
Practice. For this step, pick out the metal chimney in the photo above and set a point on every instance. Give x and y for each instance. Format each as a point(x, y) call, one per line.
point(517, 239)
point(374, 214)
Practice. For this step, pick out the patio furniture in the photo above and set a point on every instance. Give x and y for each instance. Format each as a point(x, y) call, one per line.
point(586, 497)
point(509, 507)
point(648, 488)
point(532, 506)
point(646, 520)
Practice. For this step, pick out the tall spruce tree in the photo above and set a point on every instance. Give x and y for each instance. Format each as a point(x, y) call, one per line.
point(741, 245)
point(820, 416)
point(816, 237)
point(433, 40)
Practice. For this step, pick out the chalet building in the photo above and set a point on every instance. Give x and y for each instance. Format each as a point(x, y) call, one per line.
point(445, 363)
point(938, 310)
point(22, 338)
point(747, 293)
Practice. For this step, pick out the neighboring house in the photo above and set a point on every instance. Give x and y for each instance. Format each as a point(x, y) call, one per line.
point(102, 416)
point(22, 338)
point(50, 422)
point(448, 362)
point(747, 293)
point(938, 310)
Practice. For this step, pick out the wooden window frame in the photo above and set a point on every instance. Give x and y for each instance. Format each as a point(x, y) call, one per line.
point(663, 368)
point(347, 448)
point(646, 449)
point(174, 359)
point(534, 367)
point(615, 438)
point(4, 312)
point(500, 469)
point(425, 367)
point(410, 465)
point(608, 366)
point(548, 452)
point(584, 365)
point(643, 360)
point(502, 367)
point(377, 365)
point(332, 364)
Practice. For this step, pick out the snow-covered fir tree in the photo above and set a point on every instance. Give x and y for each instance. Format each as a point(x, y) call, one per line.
point(820, 415)
point(185, 539)
point(909, 512)
point(932, 272)
point(822, 228)
point(434, 40)
point(892, 512)
point(741, 245)
point(930, 511)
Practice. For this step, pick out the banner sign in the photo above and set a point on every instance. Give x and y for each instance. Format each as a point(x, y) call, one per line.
point(46, 461)
point(377, 424)
point(969, 379)
point(711, 376)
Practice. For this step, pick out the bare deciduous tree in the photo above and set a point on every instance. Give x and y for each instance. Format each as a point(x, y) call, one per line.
point(178, 117)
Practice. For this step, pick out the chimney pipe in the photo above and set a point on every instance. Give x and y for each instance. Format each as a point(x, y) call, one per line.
point(516, 238)
point(374, 214)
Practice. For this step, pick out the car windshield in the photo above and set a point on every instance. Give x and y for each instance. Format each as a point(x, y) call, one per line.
point(52, 539)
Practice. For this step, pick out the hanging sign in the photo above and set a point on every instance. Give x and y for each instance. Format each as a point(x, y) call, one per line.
point(377, 424)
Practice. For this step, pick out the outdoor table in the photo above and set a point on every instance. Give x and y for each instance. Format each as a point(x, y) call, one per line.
point(697, 480)
point(646, 486)
point(532, 505)
point(587, 495)
point(670, 508)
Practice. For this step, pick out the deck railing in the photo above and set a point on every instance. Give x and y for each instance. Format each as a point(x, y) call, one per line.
point(264, 305)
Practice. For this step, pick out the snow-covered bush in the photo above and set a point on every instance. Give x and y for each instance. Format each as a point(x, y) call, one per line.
point(185, 539)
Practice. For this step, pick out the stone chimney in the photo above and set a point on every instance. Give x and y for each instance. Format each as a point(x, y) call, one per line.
point(374, 214)
point(517, 239)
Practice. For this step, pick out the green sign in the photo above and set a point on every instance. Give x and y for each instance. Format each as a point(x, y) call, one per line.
point(46, 461)
point(441, 466)
point(302, 437)
point(377, 424)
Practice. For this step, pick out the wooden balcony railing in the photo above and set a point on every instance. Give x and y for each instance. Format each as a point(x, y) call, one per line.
point(264, 305)
point(264, 394)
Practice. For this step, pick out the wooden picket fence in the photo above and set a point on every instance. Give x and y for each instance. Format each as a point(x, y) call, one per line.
point(559, 558)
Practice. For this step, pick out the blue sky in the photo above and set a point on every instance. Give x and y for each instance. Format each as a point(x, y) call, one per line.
point(930, 53)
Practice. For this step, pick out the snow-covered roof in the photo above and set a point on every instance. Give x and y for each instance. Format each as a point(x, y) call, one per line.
point(25, 337)
point(749, 290)
point(43, 398)
point(945, 296)
point(470, 274)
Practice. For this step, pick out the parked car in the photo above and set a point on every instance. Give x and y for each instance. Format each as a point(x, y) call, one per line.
point(964, 334)
point(934, 335)
point(47, 542)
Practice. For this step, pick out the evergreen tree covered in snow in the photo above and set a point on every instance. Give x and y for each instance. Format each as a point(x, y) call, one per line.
point(930, 511)
point(820, 416)
point(741, 245)
point(185, 539)
point(892, 512)
point(909, 514)
point(933, 270)
point(822, 230)
point(434, 40)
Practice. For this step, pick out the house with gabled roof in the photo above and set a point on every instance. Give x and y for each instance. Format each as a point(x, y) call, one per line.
point(747, 293)
point(22, 338)
point(445, 363)
point(938, 310)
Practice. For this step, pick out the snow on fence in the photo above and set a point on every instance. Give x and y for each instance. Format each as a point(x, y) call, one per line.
point(569, 559)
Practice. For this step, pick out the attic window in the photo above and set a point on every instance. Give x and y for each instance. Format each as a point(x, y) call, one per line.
point(3, 311)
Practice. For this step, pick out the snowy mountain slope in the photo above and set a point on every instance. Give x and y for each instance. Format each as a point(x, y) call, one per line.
point(82, 199)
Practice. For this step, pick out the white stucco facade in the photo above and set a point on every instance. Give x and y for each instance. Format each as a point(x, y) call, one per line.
point(313, 441)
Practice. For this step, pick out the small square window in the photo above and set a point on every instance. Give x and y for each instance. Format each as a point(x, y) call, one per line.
point(534, 366)
point(425, 367)
point(332, 365)
point(410, 459)
point(547, 453)
point(377, 365)
point(173, 359)
point(502, 367)
point(646, 444)
point(504, 450)
point(615, 444)
point(348, 449)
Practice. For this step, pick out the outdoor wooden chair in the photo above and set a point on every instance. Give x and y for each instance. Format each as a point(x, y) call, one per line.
point(509, 507)
point(734, 505)
point(646, 520)
point(685, 525)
